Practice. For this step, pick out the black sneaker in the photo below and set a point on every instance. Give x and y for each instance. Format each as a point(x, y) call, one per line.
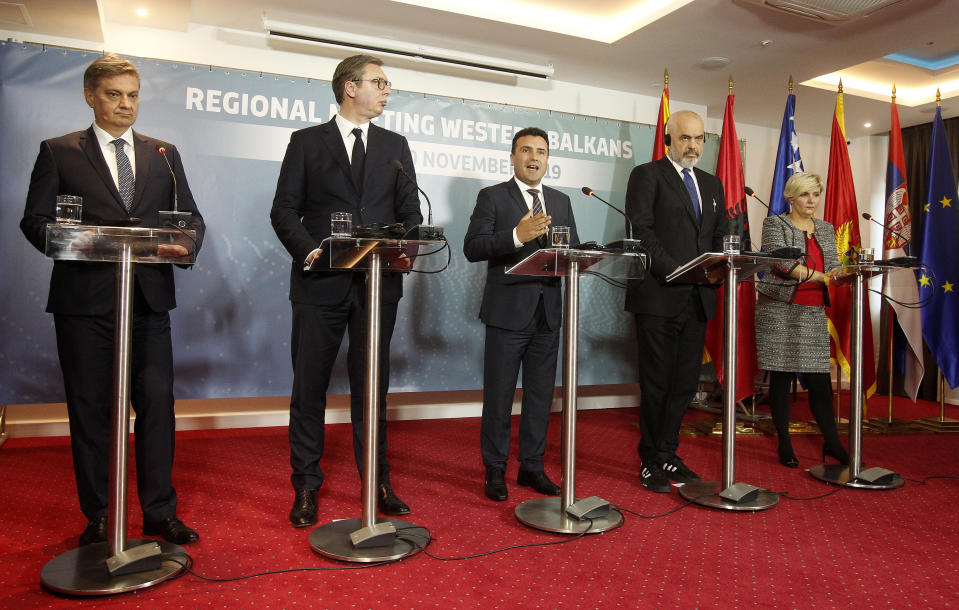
point(654, 479)
point(675, 469)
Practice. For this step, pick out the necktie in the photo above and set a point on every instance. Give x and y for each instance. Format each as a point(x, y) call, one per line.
point(358, 160)
point(537, 209)
point(691, 187)
point(537, 204)
point(124, 175)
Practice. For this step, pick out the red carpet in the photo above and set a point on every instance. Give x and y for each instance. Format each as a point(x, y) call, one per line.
point(852, 548)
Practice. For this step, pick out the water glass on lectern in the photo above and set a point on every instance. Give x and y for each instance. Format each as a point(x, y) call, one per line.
point(69, 209)
point(731, 244)
point(560, 237)
point(341, 224)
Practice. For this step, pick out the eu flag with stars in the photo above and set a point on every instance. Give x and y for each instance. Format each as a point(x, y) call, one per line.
point(940, 253)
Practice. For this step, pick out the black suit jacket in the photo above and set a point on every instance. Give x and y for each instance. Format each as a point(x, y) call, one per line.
point(73, 165)
point(661, 211)
point(509, 301)
point(315, 181)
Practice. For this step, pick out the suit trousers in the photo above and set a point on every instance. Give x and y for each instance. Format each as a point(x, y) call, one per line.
point(317, 334)
point(670, 353)
point(85, 348)
point(534, 348)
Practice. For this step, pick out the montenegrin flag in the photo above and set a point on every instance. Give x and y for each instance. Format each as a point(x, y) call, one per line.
point(659, 146)
point(900, 286)
point(939, 252)
point(729, 169)
point(842, 212)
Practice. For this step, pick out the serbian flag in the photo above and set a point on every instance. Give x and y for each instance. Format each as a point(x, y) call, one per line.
point(729, 169)
point(842, 212)
point(900, 286)
point(939, 252)
point(788, 159)
point(659, 146)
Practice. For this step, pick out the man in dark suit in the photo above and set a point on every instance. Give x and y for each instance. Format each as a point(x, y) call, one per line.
point(340, 166)
point(523, 314)
point(679, 213)
point(121, 175)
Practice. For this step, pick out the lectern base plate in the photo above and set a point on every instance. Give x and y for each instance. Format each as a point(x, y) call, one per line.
point(549, 515)
point(83, 571)
point(838, 474)
point(706, 493)
point(333, 540)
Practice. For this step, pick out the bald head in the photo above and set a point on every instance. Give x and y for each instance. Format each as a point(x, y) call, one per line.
point(686, 137)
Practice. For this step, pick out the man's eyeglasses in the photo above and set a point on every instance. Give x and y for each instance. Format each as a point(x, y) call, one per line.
point(380, 83)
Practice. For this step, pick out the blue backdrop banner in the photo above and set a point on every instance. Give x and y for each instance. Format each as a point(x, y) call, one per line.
point(231, 328)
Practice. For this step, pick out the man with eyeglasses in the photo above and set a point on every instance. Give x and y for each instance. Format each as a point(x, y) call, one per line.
point(340, 166)
point(678, 212)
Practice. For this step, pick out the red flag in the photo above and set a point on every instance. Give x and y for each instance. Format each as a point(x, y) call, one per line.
point(842, 212)
point(659, 147)
point(729, 169)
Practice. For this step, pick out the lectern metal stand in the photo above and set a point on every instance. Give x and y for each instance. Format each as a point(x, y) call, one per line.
point(853, 475)
point(369, 539)
point(557, 514)
point(120, 564)
point(727, 494)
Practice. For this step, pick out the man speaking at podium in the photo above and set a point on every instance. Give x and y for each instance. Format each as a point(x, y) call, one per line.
point(121, 175)
point(523, 314)
point(345, 165)
point(679, 213)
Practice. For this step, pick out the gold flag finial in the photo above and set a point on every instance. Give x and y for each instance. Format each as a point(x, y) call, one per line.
point(730, 84)
point(938, 97)
point(666, 78)
point(840, 85)
point(790, 84)
point(894, 93)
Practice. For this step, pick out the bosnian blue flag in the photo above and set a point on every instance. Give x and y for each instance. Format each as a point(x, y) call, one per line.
point(788, 159)
point(940, 252)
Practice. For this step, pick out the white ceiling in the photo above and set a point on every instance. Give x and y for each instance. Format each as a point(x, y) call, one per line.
point(678, 41)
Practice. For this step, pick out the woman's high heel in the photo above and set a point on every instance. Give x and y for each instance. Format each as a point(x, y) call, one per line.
point(786, 456)
point(840, 454)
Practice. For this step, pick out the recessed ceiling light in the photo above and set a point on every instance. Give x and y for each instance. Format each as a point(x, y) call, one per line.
point(713, 63)
point(142, 12)
point(867, 124)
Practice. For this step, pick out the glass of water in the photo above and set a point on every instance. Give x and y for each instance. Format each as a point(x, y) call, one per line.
point(731, 244)
point(560, 237)
point(69, 209)
point(341, 224)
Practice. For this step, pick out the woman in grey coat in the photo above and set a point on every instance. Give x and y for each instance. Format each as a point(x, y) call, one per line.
point(791, 332)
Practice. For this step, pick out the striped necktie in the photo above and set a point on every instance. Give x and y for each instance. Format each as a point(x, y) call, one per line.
point(124, 175)
point(537, 204)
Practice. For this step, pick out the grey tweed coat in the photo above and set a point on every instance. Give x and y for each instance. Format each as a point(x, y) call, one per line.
point(790, 337)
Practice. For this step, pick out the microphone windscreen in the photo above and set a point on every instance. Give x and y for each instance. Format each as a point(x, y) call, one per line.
point(867, 215)
point(396, 165)
point(587, 191)
point(749, 191)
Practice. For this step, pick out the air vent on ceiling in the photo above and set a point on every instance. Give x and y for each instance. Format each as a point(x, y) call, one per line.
point(827, 11)
point(14, 13)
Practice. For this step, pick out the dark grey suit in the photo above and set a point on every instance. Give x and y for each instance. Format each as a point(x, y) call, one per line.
point(315, 181)
point(82, 301)
point(670, 319)
point(523, 316)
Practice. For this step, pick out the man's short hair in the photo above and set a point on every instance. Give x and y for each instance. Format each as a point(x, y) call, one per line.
point(351, 69)
point(105, 66)
point(530, 131)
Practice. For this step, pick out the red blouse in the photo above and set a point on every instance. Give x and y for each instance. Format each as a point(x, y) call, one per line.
point(811, 292)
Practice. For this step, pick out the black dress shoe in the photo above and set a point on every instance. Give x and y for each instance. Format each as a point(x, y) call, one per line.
point(96, 531)
point(496, 485)
point(388, 503)
point(303, 513)
point(538, 481)
point(172, 530)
